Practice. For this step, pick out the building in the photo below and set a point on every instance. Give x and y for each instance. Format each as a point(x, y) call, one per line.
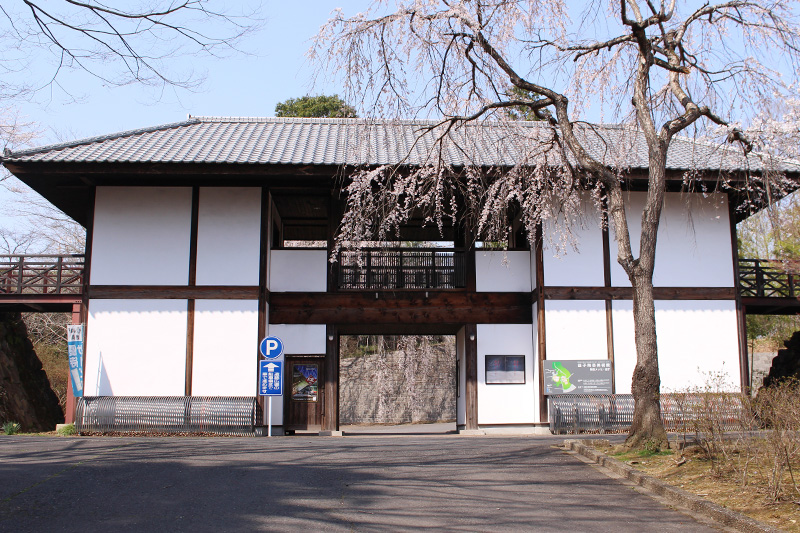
point(188, 266)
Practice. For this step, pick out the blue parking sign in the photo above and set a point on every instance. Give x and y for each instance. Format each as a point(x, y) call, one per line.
point(270, 378)
point(271, 347)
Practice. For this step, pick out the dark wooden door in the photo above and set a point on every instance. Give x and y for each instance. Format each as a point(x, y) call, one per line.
point(303, 393)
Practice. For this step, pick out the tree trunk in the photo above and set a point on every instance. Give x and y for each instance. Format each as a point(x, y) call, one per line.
point(646, 383)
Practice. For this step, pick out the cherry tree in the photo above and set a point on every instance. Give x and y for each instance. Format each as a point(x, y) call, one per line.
point(657, 69)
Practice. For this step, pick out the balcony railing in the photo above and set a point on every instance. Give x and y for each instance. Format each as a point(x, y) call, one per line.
point(402, 268)
point(41, 274)
point(766, 278)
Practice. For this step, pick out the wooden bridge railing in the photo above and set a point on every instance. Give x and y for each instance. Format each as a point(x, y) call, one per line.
point(402, 268)
point(41, 274)
point(767, 278)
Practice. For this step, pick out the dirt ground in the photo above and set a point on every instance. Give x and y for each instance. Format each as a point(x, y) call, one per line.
point(695, 475)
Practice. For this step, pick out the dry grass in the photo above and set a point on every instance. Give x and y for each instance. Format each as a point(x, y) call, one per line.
point(55, 364)
point(695, 476)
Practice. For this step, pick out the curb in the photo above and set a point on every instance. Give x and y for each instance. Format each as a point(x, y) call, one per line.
point(675, 495)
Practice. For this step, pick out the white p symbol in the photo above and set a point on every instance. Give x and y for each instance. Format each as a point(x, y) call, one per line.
point(272, 345)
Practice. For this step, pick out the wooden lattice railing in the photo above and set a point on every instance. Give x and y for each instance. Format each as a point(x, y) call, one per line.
point(41, 274)
point(402, 268)
point(767, 278)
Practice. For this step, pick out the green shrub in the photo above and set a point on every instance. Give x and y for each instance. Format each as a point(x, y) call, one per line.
point(66, 430)
point(11, 428)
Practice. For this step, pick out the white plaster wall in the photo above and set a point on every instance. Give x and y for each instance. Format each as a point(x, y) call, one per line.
point(300, 339)
point(461, 406)
point(503, 271)
point(505, 403)
point(581, 264)
point(298, 271)
point(694, 241)
point(228, 236)
point(694, 338)
point(136, 348)
point(225, 348)
point(141, 236)
point(575, 329)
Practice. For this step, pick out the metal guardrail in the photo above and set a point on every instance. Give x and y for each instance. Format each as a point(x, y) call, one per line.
point(222, 415)
point(613, 413)
point(402, 268)
point(41, 274)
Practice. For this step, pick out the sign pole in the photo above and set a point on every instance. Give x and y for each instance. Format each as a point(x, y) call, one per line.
point(270, 379)
point(269, 416)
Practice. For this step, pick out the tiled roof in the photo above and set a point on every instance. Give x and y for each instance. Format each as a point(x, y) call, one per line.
point(303, 141)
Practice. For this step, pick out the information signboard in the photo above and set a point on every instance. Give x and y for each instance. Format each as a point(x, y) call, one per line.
point(75, 357)
point(584, 376)
point(505, 369)
point(270, 378)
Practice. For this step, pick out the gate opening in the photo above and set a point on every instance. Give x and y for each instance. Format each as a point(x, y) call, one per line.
point(397, 384)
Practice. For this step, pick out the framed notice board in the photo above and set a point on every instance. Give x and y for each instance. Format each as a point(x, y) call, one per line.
point(505, 369)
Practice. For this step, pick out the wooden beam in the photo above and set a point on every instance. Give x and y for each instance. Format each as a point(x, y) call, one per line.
point(192, 280)
point(741, 316)
point(330, 418)
point(187, 387)
point(626, 293)
point(769, 306)
point(87, 271)
point(170, 292)
point(417, 307)
point(471, 376)
point(540, 322)
point(263, 292)
point(607, 283)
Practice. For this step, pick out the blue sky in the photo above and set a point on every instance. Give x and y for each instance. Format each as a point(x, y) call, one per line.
point(234, 86)
point(242, 85)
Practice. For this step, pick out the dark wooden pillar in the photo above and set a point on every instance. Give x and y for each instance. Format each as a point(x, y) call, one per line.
point(538, 250)
point(609, 305)
point(330, 418)
point(192, 282)
point(263, 272)
point(82, 315)
point(741, 312)
point(471, 370)
point(69, 415)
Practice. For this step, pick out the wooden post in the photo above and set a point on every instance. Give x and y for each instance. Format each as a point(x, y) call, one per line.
point(609, 305)
point(191, 282)
point(471, 364)
point(538, 247)
point(263, 276)
point(330, 419)
point(741, 312)
point(69, 415)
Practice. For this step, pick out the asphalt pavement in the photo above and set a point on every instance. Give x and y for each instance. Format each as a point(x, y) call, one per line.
point(309, 483)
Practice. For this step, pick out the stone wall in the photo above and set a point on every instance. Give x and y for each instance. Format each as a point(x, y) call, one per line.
point(25, 393)
point(415, 384)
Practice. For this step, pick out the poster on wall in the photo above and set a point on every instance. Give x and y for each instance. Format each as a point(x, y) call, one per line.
point(75, 357)
point(505, 369)
point(584, 376)
point(305, 386)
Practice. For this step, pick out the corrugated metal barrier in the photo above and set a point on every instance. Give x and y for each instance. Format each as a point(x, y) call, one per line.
point(613, 413)
point(222, 415)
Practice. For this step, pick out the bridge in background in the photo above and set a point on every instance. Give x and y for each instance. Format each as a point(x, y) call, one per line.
point(41, 283)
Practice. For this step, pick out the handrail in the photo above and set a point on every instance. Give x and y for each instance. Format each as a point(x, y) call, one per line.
point(767, 278)
point(395, 268)
point(50, 274)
